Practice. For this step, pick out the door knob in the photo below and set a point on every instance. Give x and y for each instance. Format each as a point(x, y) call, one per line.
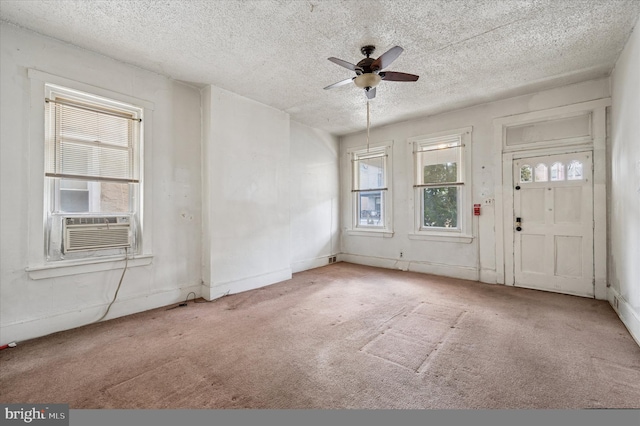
point(517, 187)
point(518, 223)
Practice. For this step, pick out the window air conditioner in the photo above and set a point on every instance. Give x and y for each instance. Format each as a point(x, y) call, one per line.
point(96, 233)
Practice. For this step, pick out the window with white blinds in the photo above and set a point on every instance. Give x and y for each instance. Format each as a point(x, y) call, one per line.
point(369, 170)
point(439, 162)
point(370, 188)
point(92, 169)
point(441, 183)
point(91, 141)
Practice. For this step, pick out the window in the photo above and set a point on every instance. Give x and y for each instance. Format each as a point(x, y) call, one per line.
point(541, 173)
point(92, 170)
point(526, 175)
point(557, 171)
point(370, 189)
point(441, 188)
point(574, 170)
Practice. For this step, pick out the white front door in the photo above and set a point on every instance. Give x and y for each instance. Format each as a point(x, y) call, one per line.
point(553, 223)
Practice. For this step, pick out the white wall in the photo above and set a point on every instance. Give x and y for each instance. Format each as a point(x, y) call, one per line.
point(63, 298)
point(314, 197)
point(247, 224)
point(624, 187)
point(235, 195)
point(457, 259)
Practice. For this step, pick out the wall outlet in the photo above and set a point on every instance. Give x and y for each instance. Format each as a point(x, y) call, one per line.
point(615, 302)
point(488, 201)
point(401, 254)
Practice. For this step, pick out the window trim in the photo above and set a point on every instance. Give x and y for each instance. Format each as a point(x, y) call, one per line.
point(37, 252)
point(464, 232)
point(386, 230)
point(52, 192)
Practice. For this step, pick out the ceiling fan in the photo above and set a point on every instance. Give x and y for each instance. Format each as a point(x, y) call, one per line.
point(370, 72)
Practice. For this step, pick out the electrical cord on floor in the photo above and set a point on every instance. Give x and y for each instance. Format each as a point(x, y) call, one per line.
point(209, 301)
point(186, 301)
point(115, 296)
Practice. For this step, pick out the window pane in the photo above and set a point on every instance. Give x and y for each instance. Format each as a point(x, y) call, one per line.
point(541, 173)
point(370, 173)
point(526, 174)
point(370, 208)
point(557, 171)
point(574, 170)
point(439, 165)
point(440, 207)
point(74, 196)
point(441, 173)
point(114, 197)
point(77, 196)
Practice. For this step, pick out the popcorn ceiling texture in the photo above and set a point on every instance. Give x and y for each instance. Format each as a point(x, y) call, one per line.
point(275, 52)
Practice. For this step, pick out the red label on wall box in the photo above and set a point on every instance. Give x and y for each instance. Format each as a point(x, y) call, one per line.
point(476, 209)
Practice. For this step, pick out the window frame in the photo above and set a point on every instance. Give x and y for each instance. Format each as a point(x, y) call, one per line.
point(38, 267)
point(52, 184)
point(463, 232)
point(383, 150)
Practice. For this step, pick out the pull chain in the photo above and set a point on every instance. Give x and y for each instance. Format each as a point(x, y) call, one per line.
point(367, 126)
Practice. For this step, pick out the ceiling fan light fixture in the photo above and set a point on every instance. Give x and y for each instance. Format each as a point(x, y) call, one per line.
point(367, 80)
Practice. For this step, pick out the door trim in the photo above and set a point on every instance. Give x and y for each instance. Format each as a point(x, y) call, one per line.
point(504, 185)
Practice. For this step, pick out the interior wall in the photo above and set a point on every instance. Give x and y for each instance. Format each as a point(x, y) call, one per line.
point(46, 300)
point(624, 187)
point(474, 260)
point(314, 197)
point(246, 184)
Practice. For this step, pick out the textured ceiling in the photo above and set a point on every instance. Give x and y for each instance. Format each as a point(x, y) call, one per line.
point(275, 52)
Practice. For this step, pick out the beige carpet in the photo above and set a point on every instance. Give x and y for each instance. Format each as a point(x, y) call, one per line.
point(342, 336)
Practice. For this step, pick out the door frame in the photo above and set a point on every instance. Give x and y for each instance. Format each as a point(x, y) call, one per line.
point(595, 141)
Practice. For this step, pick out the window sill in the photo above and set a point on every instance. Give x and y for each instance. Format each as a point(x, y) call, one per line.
point(380, 233)
point(444, 237)
point(62, 268)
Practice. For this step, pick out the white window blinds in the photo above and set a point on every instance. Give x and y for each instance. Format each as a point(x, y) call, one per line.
point(369, 171)
point(91, 142)
point(439, 162)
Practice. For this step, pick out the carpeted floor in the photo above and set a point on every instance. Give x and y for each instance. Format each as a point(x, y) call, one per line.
point(341, 336)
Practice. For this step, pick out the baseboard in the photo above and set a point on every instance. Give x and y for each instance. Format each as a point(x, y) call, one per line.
point(216, 290)
point(305, 265)
point(454, 271)
point(627, 315)
point(39, 327)
point(488, 276)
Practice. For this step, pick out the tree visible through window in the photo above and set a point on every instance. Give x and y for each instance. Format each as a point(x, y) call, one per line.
point(441, 191)
point(441, 203)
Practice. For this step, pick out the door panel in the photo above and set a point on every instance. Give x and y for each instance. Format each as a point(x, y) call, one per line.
point(553, 250)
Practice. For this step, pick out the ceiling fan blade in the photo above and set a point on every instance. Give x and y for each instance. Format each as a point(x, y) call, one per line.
point(398, 76)
point(371, 93)
point(347, 65)
point(340, 83)
point(386, 58)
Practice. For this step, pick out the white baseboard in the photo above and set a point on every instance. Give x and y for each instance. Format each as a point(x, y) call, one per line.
point(629, 317)
point(39, 327)
point(305, 265)
point(488, 276)
point(462, 272)
point(216, 290)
